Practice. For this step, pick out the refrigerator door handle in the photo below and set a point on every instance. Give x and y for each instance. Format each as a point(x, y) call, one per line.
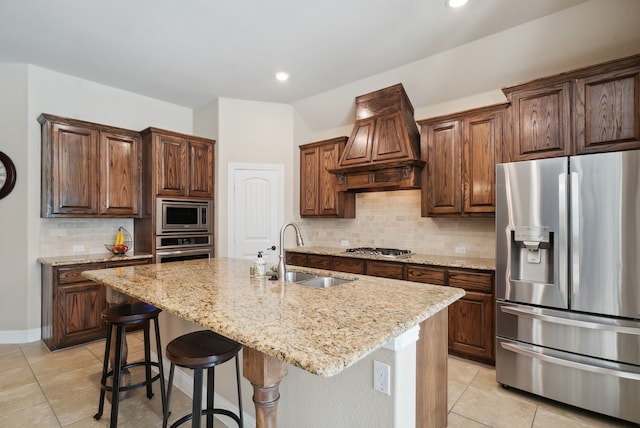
point(519, 349)
point(563, 235)
point(539, 314)
point(575, 232)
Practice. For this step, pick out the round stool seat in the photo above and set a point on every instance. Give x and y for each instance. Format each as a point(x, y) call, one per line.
point(201, 349)
point(130, 313)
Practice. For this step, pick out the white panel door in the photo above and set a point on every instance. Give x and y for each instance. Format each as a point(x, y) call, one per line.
point(256, 209)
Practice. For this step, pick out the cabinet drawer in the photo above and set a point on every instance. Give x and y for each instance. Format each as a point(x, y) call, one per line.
point(478, 281)
point(134, 262)
point(428, 275)
point(347, 264)
point(385, 269)
point(319, 261)
point(296, 259)
point(73, 274)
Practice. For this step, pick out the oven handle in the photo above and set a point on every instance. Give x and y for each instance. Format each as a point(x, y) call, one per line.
point(518, 349)
point(182, 252)
point(540, 315)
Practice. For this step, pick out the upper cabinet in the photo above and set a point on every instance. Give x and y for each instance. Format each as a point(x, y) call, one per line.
point(594, 109)
point(177, 165)
point(461, 151)
point(318, 194)
point(88, 169)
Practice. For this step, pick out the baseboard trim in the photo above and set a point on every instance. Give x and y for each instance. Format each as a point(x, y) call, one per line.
point(19, 336)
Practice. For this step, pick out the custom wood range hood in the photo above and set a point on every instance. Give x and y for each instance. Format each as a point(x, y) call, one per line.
point(383, 151)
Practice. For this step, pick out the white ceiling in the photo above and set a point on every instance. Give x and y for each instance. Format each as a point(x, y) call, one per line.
point(188, 52)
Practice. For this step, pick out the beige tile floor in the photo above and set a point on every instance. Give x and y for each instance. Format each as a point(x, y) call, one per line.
point(46, 389)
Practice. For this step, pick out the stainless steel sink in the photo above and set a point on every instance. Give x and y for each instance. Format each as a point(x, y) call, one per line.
point(316, 281)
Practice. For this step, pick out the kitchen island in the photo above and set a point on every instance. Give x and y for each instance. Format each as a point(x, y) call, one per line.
point(322, 331)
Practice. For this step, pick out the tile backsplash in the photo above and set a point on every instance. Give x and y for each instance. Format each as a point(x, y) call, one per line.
point(58, 237)
point(392, 219)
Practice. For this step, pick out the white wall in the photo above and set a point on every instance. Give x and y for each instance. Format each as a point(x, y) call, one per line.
point(257, 132)
point(14, 251)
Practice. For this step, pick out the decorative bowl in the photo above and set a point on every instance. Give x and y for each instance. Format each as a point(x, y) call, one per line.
point(117, 249)
point(122, 248)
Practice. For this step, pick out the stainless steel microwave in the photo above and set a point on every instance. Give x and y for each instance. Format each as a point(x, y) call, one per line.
point(183, 216)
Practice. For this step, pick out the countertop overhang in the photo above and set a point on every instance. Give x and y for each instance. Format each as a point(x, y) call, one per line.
point(322, 331)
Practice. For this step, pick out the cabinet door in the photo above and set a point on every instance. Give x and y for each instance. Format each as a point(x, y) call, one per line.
point(309, 177)
point(482, 140)
point(172, 166)
point(328, 155)
point(442, 192)
point(541, 126)
point(200, 183)
point(607, 111)
point(471, 332)
point(80, 309)
point(74, 171)
point(120, 175)
point(385, 269)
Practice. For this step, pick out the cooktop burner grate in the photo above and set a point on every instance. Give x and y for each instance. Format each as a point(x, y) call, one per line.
point(375, 251)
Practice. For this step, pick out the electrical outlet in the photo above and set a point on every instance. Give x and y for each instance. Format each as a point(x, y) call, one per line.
point(78, 248)
point(344, 243)
point(382, 377)
point(461, 249)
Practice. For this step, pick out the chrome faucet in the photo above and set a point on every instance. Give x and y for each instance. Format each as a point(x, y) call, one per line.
point(282, 270)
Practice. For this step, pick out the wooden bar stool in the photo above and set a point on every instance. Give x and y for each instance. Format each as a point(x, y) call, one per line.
point(121, 316)
point(198, 351)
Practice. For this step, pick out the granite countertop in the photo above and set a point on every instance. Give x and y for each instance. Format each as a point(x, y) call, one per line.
point(322, 331)
point(77, 259)
point(421, 259)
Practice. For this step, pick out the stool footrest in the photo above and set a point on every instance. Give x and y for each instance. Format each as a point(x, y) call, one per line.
point(206, 412)
point(140, 384)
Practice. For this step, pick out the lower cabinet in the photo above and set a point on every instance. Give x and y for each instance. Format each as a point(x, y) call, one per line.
point(471, 318)
point(72, 305)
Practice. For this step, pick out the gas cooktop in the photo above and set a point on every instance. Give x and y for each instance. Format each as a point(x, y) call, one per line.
point(386, 252)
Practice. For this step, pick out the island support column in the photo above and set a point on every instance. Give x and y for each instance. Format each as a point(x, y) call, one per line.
point(431, 372)
point(265, 373)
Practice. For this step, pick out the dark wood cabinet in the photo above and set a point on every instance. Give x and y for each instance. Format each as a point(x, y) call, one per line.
point(540, 118)
point(607, 109)
point(348, 265)
point(72, 305)
point(590, 110)
point(427, 274)
point(461, 151)
point(89, 170)
point(318, 261)
point(179, 165)
point(318, 194)
point(471, 319)
point(391, 270)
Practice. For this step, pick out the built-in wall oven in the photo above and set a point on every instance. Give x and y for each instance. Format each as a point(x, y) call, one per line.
point(183, 247)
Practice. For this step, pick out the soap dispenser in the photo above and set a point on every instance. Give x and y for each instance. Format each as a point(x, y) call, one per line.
point(260, 266)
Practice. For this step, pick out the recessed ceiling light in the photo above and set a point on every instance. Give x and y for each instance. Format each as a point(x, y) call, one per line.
point(455, 3)
point(282, 76)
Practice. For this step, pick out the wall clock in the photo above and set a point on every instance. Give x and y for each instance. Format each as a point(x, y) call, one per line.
point(7, 175)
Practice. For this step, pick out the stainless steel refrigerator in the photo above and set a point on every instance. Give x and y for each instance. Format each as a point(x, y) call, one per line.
point(568, 280)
